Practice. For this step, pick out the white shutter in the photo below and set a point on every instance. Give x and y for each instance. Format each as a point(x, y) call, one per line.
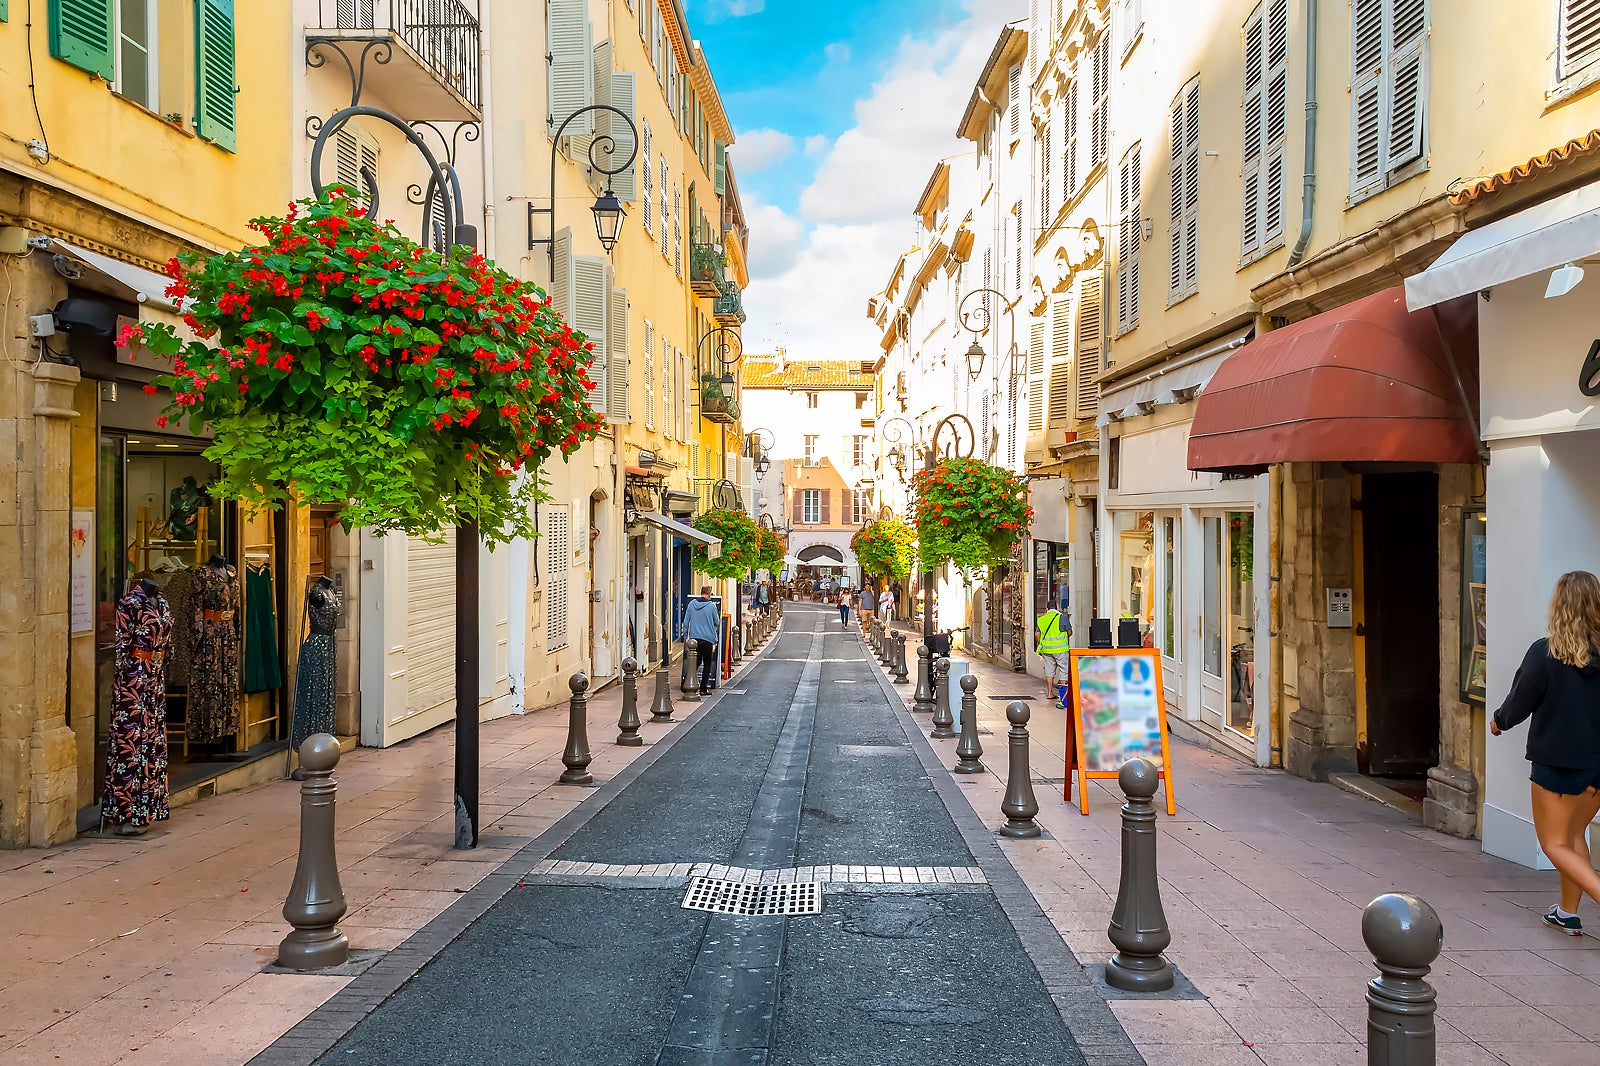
point(649, 375)
point(589, 317)
point(617, 356)
point(430, 642)
point(1408, 39)
point(668, 402)
point(624, 183)
point(1036, 33)
point(690, 388)
point(1036, 379)
point(666, 218)
point(562, 282)
point(1099, 136)
point(1069, 155)
point(1090, 342)
point(1018, 254)
point(1060, 395)
point(556, 533)
point(1045, 215)
point(1016, 102)
point(1012, 415)
point(1580, 36)
point(600, 120)
point(571, 43)
point(1128, 241)
point(677, 230)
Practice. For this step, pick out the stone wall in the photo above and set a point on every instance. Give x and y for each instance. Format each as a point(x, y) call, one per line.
point(1451, 805)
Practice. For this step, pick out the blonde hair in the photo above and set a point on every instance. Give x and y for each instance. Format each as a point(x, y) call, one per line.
point(1574, 623)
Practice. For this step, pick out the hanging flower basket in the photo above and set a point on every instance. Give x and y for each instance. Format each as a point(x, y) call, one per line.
point(771, 550)
point(738, 533)
point(340, 363)
point(886, 548)
point(969, 513)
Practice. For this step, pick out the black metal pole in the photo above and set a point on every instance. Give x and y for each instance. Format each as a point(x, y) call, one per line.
point(467, 648)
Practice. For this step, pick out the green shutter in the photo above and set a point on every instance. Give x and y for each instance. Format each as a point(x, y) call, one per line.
point(214, 74)
point(721, 167)
point(3, 12)
point(81, 34)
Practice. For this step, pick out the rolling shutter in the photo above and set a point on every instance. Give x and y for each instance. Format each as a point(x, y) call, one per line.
point(430, 624)
point(571, 44)
point(214, 77)
point(617, 360)
point(591, 276)
point(1090, 342)
point(81, 33)
point(557, 537)
point(1060, 398)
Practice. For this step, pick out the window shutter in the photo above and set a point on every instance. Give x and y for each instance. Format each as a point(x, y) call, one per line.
point(649, 375)
point(1060, 397)
point(1099, 142)
point(1011, 417)
point(561, 278)
point(617, 356)
point(557, 538)
point(1175, 220)
point(666, 217)
point(599, 121)
point(1069, 158)
point(589, 318)
point(1254, 92)
point(1580, 36)
point(1045, 217)
point(690, 390)
point(720, 151)
point(1191, 191)
point(214, 77)
point(1275, 121)
point(827, 507)
point(624, 98)
point(668, 403)
point(1091, 342)
point(677, 230)
point(1408, 82)
point(82, 33)
point(1017, 255)
point(1366, 95)
point(571, 44)
point(1016, 102)
point(1128, 242)
point(1036, 379)
point(798, 506)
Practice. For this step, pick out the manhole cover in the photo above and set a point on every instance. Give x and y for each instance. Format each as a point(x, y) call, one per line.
point(731, 897)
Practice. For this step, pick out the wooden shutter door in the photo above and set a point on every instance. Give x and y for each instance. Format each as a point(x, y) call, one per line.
point(797, 506)
point(1091, 343)
point(214, 80)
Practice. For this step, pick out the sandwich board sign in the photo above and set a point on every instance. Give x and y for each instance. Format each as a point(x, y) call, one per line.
point(1117, 714)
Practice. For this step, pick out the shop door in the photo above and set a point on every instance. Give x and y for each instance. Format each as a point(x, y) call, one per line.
point(1400, 595)
point(1213, 661)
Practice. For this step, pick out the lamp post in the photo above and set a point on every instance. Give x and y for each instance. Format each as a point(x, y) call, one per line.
point(975, 352)
point(607, 209)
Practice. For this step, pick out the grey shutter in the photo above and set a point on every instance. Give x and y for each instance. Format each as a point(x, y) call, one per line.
point(561, 277)
point(1090, 342)
point(1060, 397)
point(82, 33)
point(1176, 192)
point(217, 120)
point(1366, 94)
point(624, 98)
point(591, 277)
point(617, 356)
point(1275, 106)
point(1255, 77)
point(1036, 378)
point(583, 143)
point(571, 44)
point(1407, 82)
point(1128, 241)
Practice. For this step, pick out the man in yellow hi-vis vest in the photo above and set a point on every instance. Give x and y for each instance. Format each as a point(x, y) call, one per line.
point(1052, 639)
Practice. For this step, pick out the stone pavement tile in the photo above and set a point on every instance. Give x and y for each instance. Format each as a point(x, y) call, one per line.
point(1562, 991)
point(1507, 1023)
point(1542, 1053)
point(1263, 1024)
point(1331, 1053)
point(1320, 964)
point(1173, 1022)
point(201, 975)
point(99, 1034)
point(1584, 959)
point(234, 1028)
point(1514, 963)
point(1583, 1020)
point(1258, 992)
point(1236, 1054)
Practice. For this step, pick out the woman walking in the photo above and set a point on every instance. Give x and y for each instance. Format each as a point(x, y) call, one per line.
point(844, 607)
point(1558, 685)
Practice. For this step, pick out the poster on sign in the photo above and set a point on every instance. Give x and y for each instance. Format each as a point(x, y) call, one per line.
point(1117, 714)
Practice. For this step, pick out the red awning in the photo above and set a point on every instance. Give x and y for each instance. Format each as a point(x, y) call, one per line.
point(1366, 382)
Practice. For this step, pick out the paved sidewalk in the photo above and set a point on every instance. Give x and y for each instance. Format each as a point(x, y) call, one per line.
point(151, 949)
point(1264, 876)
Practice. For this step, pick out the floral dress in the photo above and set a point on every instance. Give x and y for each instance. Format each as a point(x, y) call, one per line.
point(315, 683)
point(136, 759)
point(214, 669)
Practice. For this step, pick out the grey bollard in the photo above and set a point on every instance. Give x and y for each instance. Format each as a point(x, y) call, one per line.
point(316, 899)
point(1405, 936)
point(943, 720)
point(576, 758)
point(969, 750)
point(922, 697)
point(690, 688)
point(661, 703)
point(1138, 925)
point(1020, 805)
point(900, 674)
point(628, 723)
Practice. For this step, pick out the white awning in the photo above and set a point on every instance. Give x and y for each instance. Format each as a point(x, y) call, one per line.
point(1177, 380)
point(686, 531)
point(1542, 237)
point(145, 286)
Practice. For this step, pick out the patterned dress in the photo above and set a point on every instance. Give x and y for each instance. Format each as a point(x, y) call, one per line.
point(214, 667)
point(314, 680)
point(136, 762)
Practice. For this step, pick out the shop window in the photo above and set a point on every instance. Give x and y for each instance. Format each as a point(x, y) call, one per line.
point(1050, 573)
point(1136, 573)
point(1170, 645)
point(1211, 596)
point(1241, 620)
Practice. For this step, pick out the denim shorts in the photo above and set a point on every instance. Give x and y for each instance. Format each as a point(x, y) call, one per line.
point(1562, 781)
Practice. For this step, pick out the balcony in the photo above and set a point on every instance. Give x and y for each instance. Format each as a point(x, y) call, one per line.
point(728, 309)
point(706, 274)
point(420, 57)
point(717, 404)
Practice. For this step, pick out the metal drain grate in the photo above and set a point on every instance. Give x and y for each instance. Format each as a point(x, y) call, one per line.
point(733, 897)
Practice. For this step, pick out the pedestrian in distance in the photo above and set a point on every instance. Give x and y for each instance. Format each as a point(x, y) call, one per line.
point(1558, 686)
point(886, 603)
point(1052, 638)
point(868, 603)
point(844, 607)
point(763, 597)
point(703, 621)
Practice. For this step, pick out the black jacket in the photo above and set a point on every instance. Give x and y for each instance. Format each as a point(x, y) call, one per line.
point(1565, 704)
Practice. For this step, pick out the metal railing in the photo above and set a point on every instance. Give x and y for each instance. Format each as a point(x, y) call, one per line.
point(444, 33)
point(730, 305)
point(705, 265)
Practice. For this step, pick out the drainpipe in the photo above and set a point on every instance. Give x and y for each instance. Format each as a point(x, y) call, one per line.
point(1308, 194)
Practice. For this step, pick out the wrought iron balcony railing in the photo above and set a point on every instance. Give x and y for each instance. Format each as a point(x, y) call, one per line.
point(728, 309)
point(706, 274)
point(716, 403)
point(443, 37)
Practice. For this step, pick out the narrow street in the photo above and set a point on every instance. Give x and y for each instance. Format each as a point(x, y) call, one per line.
point(802, 767)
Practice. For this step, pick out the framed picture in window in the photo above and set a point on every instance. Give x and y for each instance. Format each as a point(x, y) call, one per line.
point(1474, 607)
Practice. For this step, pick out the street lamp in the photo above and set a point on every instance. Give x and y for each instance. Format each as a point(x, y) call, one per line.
point(975, 352)
point(607, 210)
point(608, 216)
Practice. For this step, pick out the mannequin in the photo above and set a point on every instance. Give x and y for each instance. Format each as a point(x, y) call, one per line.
point(183, 522)
point(214, 666)
point(136, 757)
point(315, 681)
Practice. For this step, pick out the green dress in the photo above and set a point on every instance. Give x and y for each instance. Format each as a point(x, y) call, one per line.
point(262, 672)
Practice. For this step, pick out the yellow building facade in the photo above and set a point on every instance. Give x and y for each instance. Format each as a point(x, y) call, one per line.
point(130, 133)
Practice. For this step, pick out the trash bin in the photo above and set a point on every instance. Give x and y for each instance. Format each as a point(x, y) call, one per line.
point(939, 644)
point(958, 670)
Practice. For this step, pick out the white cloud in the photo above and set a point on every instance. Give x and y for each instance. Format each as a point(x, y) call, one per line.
point(810, 286)
point(717, 10)
point(756, 150)
point(837, 53)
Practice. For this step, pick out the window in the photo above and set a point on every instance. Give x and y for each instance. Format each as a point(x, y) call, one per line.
point(811, 505)
point(1266, 89)
point(860, 506)
point(858, 450)
point(649, 374)
point(1069, 137)
point(666, 218)
point(1045, 217)
point(136, 51)
point(1579, 43)
point(1129, 238)
point(1388, 91)
point(811, 449)
point(811, 401)
point(1131, 21)
point(1184, 278)
point(1016, 102)
point(1099, 138)
point(649, 180)
point(1211, 596)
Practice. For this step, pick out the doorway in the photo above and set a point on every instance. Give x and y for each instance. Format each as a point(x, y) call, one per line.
point(1399, 593)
